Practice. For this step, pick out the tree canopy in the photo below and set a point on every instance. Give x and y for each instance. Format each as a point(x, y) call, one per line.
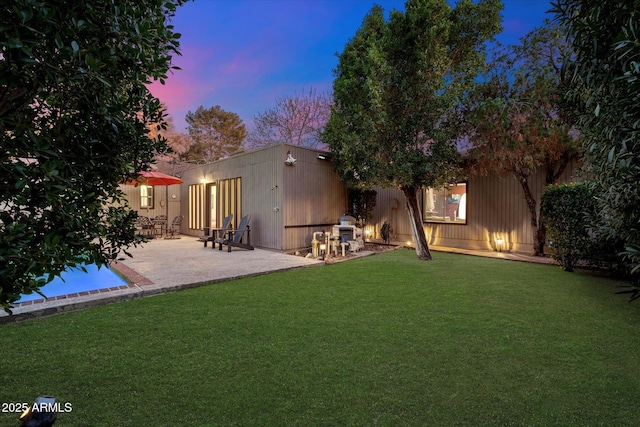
point(517, 120)
point(74, 110)
point(215, 134)
point(295, 120)
point(397, 90)
point(605, 87)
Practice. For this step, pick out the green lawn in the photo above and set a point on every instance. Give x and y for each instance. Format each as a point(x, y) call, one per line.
point(385, 340)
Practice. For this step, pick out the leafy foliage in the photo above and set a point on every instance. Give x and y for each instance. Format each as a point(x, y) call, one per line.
point(571, 213)
point(517, 120)
point(73, 114)
point(567, 209)
point(296, 120)
point(215, 134)
point(394, 122)
point(605, 87)
point(362, 203)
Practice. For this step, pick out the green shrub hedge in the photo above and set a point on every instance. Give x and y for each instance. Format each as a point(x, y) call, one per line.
point(568, 210)
point(575, 230)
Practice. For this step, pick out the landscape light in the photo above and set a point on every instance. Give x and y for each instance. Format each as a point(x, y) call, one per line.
point(41, 414)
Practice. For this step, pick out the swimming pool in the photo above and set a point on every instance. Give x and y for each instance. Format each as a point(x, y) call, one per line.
point(76, 281)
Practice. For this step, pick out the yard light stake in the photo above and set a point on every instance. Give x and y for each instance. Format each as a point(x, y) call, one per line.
point(41, 414)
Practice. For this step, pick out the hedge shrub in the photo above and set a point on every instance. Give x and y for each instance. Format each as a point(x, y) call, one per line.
point(569, 211)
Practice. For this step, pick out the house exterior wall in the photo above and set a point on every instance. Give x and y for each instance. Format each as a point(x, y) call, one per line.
point(314, 198)
point(258, 177)
point(286, 203)
point(496, 208)
point(162, 195)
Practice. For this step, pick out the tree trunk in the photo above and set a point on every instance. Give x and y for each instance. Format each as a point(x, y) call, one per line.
point(415, 219)
point(539, 231)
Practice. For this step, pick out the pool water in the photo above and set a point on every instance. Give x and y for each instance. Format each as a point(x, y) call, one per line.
point(76, 280)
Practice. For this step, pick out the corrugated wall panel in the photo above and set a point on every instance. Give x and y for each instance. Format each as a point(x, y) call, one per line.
point(278, 197)
point(313, 197)
point(162, 196)
point(261, 181)
point(496, 208)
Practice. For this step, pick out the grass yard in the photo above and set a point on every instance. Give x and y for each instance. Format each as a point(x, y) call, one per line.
point(385, 340)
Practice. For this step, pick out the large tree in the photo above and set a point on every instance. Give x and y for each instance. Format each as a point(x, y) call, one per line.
point(518, 123)
point(397, 89)
point(296, 120)
point(215, 134)
point(178, 142)
point(605, 83)
point(74, 110)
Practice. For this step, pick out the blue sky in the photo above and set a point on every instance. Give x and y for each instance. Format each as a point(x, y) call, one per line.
point(243, 54)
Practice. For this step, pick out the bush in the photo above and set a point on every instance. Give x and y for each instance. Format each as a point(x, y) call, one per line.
point(362, 203)
point(569, 212)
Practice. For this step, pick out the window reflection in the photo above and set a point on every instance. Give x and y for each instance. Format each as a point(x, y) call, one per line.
point(446, 205)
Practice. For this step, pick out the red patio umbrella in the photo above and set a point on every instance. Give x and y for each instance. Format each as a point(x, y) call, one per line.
point(157, 178)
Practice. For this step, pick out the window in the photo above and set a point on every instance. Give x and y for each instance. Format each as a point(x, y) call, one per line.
point(209, 203)
point(230, 199)
point(196, 207)
point(146, 196)
point(447, 205)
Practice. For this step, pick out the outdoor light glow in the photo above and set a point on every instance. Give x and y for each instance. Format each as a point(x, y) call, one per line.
point(203, 180)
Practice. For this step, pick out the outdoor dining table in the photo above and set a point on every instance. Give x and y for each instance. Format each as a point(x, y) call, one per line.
point(159, 226)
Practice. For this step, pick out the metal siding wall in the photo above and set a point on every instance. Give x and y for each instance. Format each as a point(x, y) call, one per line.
point(160, 194)
point(496, 207)
point(263, 193)
point(260, 187)
point(313, 197)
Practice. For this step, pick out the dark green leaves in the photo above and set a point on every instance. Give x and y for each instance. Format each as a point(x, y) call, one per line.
point(73, 115)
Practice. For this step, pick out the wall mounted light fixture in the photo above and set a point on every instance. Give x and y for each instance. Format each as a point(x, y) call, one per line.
point(290, 161)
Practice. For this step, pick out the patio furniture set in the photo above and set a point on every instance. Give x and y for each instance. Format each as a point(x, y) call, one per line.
point(158, 226)
point(227, 236)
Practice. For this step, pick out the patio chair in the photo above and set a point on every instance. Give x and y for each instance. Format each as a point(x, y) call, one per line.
point(233, 237)
point(144, 226)
point(211, 234)
point(175, 227)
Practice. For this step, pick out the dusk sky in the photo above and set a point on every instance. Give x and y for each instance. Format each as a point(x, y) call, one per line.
point(243, 54)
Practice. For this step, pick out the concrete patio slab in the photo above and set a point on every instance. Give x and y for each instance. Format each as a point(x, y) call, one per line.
point(184, 261)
